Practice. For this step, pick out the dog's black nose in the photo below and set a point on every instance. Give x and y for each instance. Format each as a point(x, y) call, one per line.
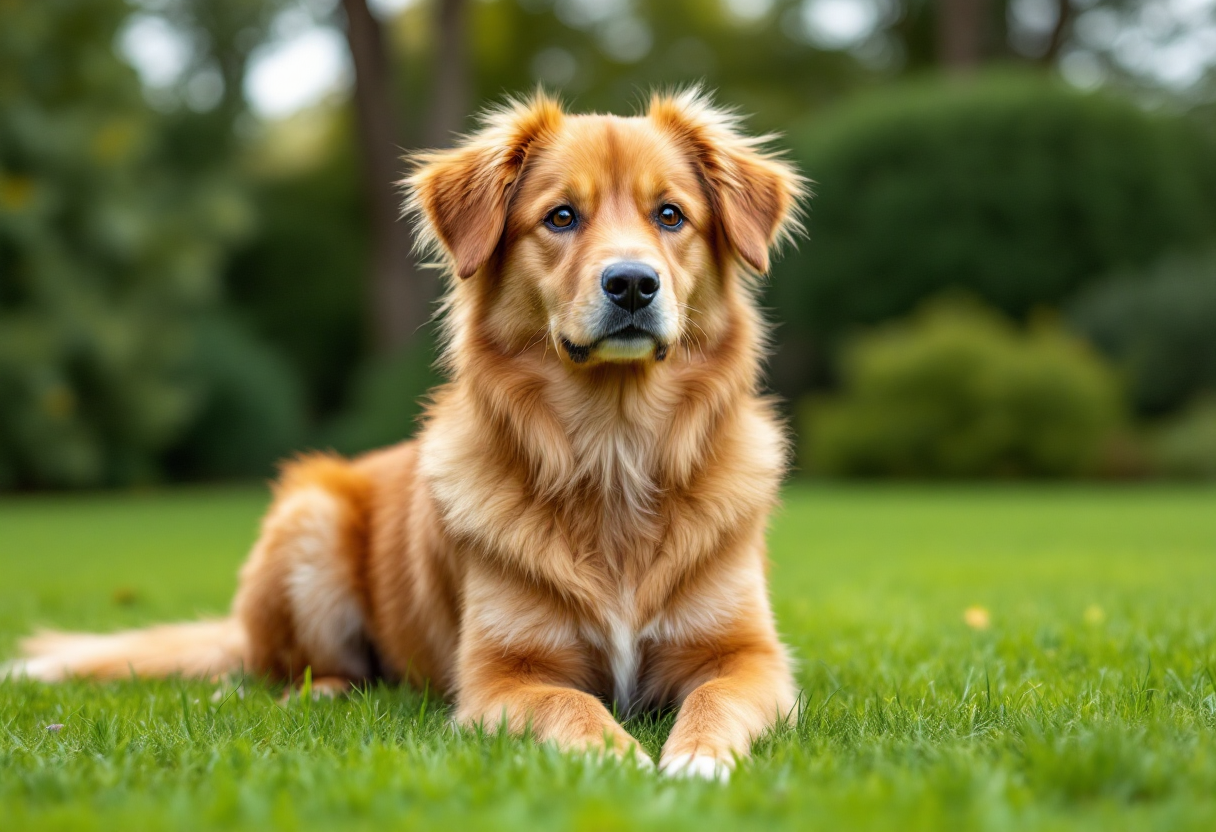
point(630, 285)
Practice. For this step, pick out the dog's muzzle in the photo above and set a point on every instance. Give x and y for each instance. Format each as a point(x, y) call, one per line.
point(628, 323)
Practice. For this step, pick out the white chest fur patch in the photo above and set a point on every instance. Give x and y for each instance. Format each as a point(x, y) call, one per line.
point(620, 641)
point(706, 613)
point(623, 657)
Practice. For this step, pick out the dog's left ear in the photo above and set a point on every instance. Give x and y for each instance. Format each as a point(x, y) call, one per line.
point(459, 197)
point(755, 192)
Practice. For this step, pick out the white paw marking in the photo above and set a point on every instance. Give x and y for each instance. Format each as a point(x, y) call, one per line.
point(641, 760)
point(637, 756)
point(38, 670)
point(701, 766)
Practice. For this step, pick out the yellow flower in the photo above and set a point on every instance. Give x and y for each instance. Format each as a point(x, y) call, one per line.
point(977, 617)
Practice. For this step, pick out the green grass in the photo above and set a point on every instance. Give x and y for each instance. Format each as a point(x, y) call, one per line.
point(1088, 703)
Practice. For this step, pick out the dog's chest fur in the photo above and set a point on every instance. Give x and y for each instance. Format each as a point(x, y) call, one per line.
point(591, 520)
point(618, 539)
point(616, 636)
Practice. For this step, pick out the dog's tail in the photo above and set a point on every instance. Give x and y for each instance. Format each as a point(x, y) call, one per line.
point(200, 649)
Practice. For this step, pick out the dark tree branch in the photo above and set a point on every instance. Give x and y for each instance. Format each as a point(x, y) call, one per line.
point(1058, 32)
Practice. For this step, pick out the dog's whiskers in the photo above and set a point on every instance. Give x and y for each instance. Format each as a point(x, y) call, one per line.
point(533, 340)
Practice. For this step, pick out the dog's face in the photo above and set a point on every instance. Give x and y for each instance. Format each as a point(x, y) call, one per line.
point(613, 238)
point(611, 232)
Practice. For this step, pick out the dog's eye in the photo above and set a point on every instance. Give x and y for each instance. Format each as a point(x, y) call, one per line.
point(670, 217)
point(560, 219)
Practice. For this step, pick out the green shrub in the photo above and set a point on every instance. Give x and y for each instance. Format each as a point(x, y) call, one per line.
point(1159, 327)
point(1015, 189)
point(252, 412)
point(108, 255)
point(301, 279)
point(386, 400)
point(1185, 446)
point(958, 391)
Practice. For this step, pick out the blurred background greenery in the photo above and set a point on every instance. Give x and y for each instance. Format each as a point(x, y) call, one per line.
point(1010, 269)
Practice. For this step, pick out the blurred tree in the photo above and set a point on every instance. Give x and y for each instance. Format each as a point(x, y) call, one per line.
point(221, 35)
point(609, 56)
point(1151, 46)
point(301, 280)
point(204, 103)
point(1060, 29)
point(109, 255)
point(1162, 50)
point(963, 32)
point(449, 106)
point(399, 295)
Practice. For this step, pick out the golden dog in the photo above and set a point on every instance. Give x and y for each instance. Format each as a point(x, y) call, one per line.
point(581, 519)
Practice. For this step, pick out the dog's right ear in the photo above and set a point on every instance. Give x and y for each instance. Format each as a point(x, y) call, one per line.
point(459, 197)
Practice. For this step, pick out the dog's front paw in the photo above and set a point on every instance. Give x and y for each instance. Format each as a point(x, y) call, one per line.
point(703, 766)
point(640, 759)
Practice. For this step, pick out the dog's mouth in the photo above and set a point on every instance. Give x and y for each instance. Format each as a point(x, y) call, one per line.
point(629, 343)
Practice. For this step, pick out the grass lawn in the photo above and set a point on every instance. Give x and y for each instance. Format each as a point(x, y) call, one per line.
point(1087, 702)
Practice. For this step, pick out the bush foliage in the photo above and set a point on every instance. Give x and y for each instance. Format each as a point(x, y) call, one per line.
point(252, 408)
point(959, 391)
point(171, 305)
point(108, 255)
point(386, 399)
point(1016, 189)
point(300, 279)
point(1184, 446)
point(1159, 326)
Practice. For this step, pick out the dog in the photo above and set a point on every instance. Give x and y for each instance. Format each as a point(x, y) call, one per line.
point(580, 521)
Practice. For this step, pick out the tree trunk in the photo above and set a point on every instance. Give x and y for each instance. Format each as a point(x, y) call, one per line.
point(962, 33)
point(449, 80)
point(399, 295)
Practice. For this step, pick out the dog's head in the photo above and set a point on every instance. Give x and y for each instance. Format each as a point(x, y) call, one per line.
point(615, 238)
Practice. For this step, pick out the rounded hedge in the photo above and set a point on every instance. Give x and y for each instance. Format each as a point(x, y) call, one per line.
point(1159, 327)
point(959, 391)
point(1184, 447)
point(1014, 188)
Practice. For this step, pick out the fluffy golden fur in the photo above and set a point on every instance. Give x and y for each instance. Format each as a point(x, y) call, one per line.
point(581, 519)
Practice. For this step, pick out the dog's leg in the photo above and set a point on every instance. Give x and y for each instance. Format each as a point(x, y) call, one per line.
point(521, 667)
point(298, 598)
point(749, 692)
point(571, 719)
point(731, 688)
